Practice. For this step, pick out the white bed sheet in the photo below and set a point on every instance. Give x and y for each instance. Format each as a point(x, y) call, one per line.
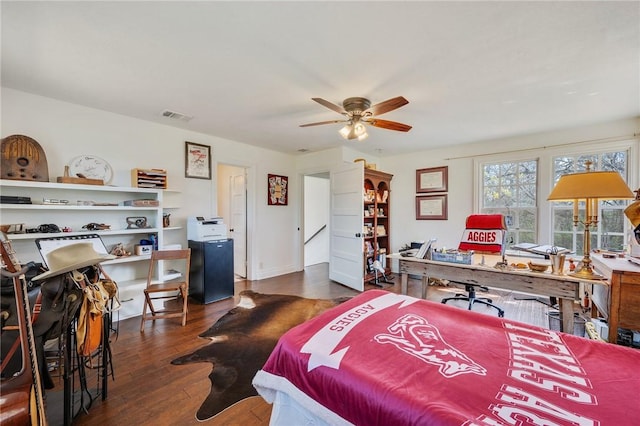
point(291, 406)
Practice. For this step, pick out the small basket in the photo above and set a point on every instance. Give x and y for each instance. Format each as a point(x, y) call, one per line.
point(538, 267)
point(463, 258)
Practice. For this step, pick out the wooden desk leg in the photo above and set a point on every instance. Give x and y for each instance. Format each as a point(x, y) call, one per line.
point(566, 312)
point(404, 283)
point(425, 286)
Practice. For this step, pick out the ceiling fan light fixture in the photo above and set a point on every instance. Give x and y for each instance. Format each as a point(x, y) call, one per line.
point(352, 133)
point(359, 111)
point(346, 130)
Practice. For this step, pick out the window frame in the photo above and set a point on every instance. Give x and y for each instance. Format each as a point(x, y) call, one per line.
point(514, 234)
point(545, 173)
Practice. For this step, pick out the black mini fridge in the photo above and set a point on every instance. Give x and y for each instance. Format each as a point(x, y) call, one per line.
point(211, 272)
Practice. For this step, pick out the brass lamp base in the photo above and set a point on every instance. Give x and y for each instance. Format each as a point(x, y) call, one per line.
point(587, 274)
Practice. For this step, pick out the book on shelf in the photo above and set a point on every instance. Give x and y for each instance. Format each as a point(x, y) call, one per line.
point(12, 199)
point(142, 203)
point(368, 247)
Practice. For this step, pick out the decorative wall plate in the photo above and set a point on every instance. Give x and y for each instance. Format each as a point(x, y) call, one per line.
point(91, 167)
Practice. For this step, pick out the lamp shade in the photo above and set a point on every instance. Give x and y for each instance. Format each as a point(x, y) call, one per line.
point(601, 185)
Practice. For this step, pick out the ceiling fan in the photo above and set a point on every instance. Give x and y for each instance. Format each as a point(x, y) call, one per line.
point(359, 111)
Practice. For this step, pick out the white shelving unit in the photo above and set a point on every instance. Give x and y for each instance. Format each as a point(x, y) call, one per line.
point(130, 271)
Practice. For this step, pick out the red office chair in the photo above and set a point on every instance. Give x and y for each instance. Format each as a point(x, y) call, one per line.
point(484, 233)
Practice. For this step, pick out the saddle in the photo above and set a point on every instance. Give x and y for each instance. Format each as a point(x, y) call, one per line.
point(55, 303)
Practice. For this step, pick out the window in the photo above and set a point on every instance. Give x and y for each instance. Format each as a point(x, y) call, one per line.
point(610, 231)
point(510, 188)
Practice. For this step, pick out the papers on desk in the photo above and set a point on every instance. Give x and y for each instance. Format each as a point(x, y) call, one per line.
point(425, 249)
point(544, 250)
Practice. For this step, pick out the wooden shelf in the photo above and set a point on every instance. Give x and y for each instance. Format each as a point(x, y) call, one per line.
point(377, 185)
point(125, 271)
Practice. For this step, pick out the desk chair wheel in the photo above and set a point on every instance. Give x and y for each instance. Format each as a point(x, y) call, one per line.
point(472, 299)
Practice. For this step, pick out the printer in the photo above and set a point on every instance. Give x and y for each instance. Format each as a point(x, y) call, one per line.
point(201, 229)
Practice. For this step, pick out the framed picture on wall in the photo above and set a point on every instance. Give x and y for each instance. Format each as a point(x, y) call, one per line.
point(434, 179)
point(431, 207)
point(278, 191)
point(197, 161)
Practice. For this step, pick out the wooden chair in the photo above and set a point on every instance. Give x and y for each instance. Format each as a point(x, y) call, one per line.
point(168, 289)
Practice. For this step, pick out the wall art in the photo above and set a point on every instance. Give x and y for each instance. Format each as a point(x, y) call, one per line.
point(197, 161)
point(278, 194)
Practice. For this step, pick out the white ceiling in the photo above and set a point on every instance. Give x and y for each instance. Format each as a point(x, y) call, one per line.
point(247, 71)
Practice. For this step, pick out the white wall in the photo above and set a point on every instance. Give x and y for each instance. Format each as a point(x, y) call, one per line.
point(460, 161)
point(67, 130)
point(275, 242)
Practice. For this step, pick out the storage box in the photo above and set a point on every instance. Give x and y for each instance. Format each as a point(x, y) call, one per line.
point(149, 178)
point(142, 250)
point(463, 258)
point(601, 327)
point(579, 322)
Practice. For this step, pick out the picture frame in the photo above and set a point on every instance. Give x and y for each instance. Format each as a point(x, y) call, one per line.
point(432, 179)
point(431, 207)
point(278, 190)
point(197, 161)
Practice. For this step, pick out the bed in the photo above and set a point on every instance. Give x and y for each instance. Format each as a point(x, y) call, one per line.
point(388, 359)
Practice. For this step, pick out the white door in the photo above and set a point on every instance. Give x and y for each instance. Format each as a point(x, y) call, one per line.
point(238, 225)
point(346, 262)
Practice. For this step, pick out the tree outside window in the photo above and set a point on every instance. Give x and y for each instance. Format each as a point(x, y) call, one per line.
point(510, 188)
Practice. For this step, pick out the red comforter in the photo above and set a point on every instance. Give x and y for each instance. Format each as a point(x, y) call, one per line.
point(388, 359)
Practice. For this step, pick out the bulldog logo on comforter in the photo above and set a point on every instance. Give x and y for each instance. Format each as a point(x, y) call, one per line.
point(414, 335)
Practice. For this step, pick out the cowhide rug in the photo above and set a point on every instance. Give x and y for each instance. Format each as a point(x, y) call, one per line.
point(241, 341)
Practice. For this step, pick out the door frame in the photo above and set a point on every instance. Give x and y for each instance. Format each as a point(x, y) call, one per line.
point(303, 182)
point(301, 175)
point(250, 177)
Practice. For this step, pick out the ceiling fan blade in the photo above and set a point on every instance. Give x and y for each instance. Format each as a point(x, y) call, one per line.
point(389, 125)
point(323, 122)
point(330, 105)
point(388, 105)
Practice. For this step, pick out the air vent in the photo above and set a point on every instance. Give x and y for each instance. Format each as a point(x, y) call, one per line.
point(176, 115)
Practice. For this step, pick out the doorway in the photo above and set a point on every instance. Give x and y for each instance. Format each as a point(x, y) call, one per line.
point(316, 218)
point(232, 207)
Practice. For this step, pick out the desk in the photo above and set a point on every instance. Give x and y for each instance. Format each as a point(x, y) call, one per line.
point(620, 302)
point(564, 287)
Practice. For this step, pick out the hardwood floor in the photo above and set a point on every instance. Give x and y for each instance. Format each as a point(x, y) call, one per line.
point(149, 390)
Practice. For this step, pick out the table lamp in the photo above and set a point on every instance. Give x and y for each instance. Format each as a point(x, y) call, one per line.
point(590, 186)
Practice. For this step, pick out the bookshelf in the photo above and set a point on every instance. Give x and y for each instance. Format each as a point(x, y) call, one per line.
point(376, 203)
